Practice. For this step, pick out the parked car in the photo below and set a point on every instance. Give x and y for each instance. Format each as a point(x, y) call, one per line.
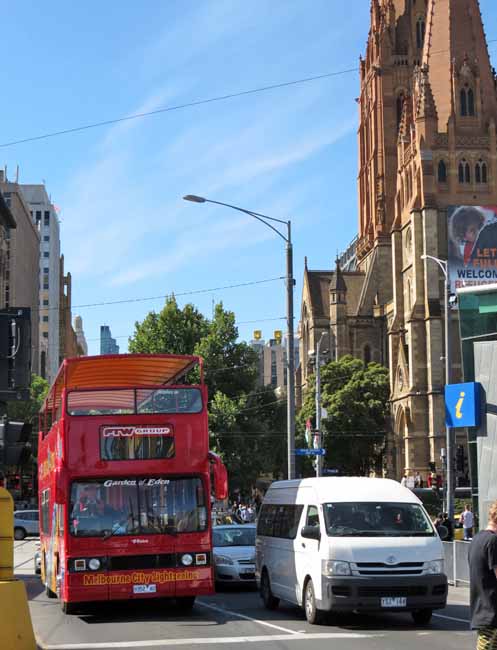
point(26, 523)
point(234, 553)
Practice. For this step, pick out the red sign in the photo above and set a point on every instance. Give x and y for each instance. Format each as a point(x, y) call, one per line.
point(131, 431)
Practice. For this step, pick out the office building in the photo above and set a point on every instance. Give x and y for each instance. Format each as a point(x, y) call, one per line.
point(108, 345)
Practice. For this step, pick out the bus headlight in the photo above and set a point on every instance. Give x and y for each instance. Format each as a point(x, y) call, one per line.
point(94, 564)
point(187, 559)
point(335, 568)
point(434, 567)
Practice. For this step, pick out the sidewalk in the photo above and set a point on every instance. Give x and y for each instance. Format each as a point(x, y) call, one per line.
point(459, 595)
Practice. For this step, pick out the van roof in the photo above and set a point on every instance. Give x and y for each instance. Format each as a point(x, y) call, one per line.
point(346, 488)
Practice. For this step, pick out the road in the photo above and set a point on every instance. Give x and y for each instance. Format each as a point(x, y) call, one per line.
point(229, 618)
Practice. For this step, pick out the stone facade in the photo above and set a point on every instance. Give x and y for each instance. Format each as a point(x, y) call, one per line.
point(427, 130)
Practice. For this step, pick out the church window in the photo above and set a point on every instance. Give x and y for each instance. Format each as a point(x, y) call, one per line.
point(464, 172)
point(464, 103)
point(471, 102)
point(467, 96)
point(481, 174)
point(367, 355)
point(442, 172)
point(420, 33)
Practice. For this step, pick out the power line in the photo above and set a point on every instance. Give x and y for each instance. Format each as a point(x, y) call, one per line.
point(199, 102)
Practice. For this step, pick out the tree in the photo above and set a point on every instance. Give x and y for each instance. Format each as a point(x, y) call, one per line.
point(171, 331)
point(356, 400)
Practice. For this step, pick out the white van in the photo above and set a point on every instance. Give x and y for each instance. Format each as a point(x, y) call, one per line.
point(348, 544)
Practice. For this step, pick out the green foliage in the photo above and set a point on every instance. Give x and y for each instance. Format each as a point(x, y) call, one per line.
point(28, 411)
point(356, 400)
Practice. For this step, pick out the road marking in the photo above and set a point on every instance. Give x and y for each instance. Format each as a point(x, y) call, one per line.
point(230, 612)
point(162, 643)
point(452, 618)
point(30, 559)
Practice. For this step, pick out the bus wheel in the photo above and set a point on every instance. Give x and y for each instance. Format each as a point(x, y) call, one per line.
point(49, 592)
point(185, 603)
point(19, 533)
point(69, 608)
point(270, 602)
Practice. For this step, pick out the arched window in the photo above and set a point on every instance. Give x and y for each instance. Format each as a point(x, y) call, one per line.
point(467, 173)
point(481, 174)
point(367, 355)
point(477, 173)
point(464, 171)
point(461, 172)
point(484, 174)
point(464, 103)
point(420, 33)
point(442, 172)
point(471, 102)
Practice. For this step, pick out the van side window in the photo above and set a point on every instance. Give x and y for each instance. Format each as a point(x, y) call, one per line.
point(279, 521)
point(312, 518)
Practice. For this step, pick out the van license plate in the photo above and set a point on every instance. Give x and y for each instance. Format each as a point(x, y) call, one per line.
point(394, 602)
point(144, 589)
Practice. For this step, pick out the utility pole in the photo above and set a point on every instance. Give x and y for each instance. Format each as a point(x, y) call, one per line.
point(318, 433)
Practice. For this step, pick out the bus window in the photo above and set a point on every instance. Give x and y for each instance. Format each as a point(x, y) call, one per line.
point(169, 400)
point(101, 402)
point(45, 512)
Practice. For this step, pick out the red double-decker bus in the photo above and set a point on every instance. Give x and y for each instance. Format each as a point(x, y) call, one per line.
point(125, 478)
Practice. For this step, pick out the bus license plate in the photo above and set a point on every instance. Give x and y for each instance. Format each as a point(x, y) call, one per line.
point(144, 589)
point(394, 602)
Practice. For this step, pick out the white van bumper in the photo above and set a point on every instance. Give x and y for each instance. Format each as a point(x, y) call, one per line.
point(398, 593)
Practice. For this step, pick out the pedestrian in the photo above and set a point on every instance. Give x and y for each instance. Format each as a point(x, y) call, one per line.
point(438, 522)
point(450, 527)
point(403, 482)
point(418, 480)
point(467, 520)
point(483, 583)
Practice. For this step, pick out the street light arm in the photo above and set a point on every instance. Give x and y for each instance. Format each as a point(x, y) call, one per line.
point(260, 217)
point(441, 263)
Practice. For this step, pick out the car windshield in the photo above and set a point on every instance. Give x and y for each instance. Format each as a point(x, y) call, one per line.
point(233, 536)
point(372, 519)
point(132, 506)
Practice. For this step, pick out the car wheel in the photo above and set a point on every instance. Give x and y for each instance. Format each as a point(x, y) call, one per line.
point(313, 615)
point(19, 533)
point(270, 601)
point(69, 608)
point(422, 616)
point(185, 604)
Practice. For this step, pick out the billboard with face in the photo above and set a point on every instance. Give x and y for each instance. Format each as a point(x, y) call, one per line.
point(472, 251)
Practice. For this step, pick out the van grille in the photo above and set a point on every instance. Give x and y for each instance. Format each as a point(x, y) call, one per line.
point(382, 569)
point(386, 592)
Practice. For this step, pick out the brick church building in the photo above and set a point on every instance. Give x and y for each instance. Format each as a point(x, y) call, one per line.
point(427, 141)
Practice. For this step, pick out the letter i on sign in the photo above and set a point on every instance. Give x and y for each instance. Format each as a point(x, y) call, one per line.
point(459, 404)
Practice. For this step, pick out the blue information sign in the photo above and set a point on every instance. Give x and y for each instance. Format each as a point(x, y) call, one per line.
point(310, 452)
point(462, 405)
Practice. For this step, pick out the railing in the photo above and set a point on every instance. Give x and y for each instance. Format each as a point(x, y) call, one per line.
point(456, 563)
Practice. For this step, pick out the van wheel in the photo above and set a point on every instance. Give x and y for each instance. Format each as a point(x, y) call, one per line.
point(270, 601)
point(19, 533)
point(422, 616)
point(313, 615)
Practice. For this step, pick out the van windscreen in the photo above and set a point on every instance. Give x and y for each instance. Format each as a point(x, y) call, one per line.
point(376, 519)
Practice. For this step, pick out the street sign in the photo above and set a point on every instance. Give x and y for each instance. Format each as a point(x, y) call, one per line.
point(310, 452)
point(462, 405)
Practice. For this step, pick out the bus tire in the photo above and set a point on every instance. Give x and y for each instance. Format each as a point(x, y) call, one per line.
point(68, 608)
point(19, 533)
point(270, 601)
point(49, 592)
point(185, 603)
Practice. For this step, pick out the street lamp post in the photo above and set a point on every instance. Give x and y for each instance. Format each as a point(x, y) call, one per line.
point(290, 283)
point(450, 480)
point(318, 432)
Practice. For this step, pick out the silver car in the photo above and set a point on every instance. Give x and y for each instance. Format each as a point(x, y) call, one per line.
point(26, 523)
point(234, 553)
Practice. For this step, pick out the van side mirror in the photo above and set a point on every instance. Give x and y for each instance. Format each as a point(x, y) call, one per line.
point(443, 532)
point(311, 532)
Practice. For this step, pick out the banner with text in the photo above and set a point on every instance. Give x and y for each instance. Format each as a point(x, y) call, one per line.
point(472, 232)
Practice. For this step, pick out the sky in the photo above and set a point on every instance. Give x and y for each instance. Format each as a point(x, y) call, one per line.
point(290, 153)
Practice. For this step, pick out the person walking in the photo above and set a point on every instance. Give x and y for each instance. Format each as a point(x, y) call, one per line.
point(483, 583)
point(467, 521)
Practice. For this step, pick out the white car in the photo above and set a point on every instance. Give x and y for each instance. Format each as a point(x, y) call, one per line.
point(26, 522)
point(234, 553)
point(349, 544)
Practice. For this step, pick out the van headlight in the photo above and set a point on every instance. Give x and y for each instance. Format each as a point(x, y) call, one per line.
point(433, 567)
point(335, 568)
point(223, 559)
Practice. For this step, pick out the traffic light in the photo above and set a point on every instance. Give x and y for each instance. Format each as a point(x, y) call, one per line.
point(15, 448)
point(460, 458)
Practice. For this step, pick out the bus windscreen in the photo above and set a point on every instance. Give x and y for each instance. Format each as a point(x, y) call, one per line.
point(134, 402)
point(137, 506)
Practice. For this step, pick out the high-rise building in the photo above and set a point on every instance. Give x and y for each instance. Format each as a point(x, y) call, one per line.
point(427, 142)
point(80, 335)
point(272, 362)
point(23, 249)
point(7, 222)
point(108, 345)
point(45, 218)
